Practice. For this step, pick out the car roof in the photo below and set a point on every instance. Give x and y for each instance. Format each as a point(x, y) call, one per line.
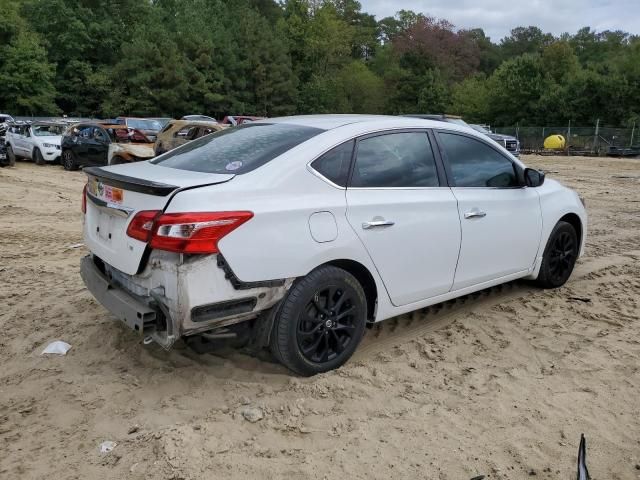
point(329, 122)
point(204, 123)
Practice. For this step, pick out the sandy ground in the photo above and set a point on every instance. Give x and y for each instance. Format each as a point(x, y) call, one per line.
point(499, 384)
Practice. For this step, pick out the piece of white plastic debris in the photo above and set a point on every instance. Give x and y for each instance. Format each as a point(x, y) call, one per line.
point(56, 348)
point(107, 446)
point(75, 245)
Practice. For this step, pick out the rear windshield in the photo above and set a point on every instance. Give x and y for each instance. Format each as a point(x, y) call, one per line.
point(238, 149)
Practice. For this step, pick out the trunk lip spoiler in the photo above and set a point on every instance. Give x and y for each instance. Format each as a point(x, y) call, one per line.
point(131, 183)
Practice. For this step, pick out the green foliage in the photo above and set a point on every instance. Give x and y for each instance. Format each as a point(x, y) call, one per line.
point(105, 58)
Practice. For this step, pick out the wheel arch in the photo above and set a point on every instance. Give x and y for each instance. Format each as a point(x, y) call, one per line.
point(366, 280)
point(573, 220)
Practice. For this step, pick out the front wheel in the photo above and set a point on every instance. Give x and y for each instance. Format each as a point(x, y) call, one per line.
point(68, 160)
point(559, 256)
point(37, 157)
point(320, 322)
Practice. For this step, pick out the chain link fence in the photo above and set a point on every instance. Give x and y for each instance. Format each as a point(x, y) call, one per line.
point(596, 140)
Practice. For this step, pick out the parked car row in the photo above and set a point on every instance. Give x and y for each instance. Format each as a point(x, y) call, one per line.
point(511, 144)
point(77, 144)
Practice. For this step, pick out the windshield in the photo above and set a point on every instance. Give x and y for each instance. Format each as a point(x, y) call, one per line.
point(144, 124)
point(47, 130)
point(238, 149)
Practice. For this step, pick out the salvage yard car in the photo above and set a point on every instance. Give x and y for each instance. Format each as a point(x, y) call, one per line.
point(179, 132)
point(507, 141)
point(149, 126)
point(87, 144)
point(303, 230)
point(512, 144)
point(38, 141)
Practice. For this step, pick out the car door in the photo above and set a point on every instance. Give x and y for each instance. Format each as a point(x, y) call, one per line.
point(19, 140)
point(79, 145)
point(98, 146)
point(405, 217)
point(501, 219)
point(27, 142)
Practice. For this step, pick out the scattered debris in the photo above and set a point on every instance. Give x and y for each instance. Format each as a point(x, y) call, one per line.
point(252, 414)
point(479, 477)
point(133, 429)
point(580, 299)
point(583, 472)
point(75, 245)
point(56, 348)
point(107, 446)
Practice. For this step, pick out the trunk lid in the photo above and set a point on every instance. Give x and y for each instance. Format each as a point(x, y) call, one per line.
point(116, 194)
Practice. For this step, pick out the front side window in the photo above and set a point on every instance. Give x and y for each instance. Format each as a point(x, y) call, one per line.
point(395, 160)
point(475, 164)
point(237, 150)
point(334, 165)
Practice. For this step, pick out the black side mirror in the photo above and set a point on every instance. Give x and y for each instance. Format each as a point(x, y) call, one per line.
point(533, 177)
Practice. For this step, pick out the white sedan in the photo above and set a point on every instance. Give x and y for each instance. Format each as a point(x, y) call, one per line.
point(297, 232)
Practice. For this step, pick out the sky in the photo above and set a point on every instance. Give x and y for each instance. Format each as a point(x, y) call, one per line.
point(498, 17)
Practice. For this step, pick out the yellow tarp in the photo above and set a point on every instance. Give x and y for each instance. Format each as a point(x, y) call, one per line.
point(554, 142)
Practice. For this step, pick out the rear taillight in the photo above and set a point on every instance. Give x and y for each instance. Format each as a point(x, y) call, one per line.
point(84, 198)
point(141, 227)
point(197, 232)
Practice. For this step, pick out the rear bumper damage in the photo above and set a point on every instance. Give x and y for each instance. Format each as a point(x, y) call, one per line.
point(175, 296)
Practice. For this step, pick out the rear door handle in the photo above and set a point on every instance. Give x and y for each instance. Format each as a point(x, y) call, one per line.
point(377, 223)
point(475, 213)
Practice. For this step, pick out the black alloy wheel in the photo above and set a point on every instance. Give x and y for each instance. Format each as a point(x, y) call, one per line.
point(68, 160)
point(559, 257)
point(328, 324)
point(320, 322)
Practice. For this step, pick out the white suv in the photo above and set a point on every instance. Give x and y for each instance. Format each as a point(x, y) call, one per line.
point(39, 141)
point(302, 230)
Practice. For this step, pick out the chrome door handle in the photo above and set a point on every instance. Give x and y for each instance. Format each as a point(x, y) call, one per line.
point(377, 223)
point(475, 213)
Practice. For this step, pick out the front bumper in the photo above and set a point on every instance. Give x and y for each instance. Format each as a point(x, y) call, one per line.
point(51, 156)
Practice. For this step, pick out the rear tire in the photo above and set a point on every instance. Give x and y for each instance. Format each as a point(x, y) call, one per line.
point(320, 322)
point(11, 156)
point(559, 256)
point(37, 157)
point(69, 160)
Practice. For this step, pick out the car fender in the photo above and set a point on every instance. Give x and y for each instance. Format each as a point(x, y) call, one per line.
point(556, 201)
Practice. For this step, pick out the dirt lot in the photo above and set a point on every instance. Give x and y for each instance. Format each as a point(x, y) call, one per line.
point(501, 384)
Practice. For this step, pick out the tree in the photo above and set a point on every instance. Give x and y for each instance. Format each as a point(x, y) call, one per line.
point(524, 40)
point(25, 74)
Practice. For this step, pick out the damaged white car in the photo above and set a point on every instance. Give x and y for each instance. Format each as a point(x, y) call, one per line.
point(298, 232)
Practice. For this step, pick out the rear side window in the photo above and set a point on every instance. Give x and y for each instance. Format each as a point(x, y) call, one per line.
point(237, 150)
point(475, 164)
point(395, 160)
point(334, 165)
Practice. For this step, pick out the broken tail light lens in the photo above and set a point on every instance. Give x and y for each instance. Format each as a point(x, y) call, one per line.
point(195, 233)
point(141, 227)
point(84, 199)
